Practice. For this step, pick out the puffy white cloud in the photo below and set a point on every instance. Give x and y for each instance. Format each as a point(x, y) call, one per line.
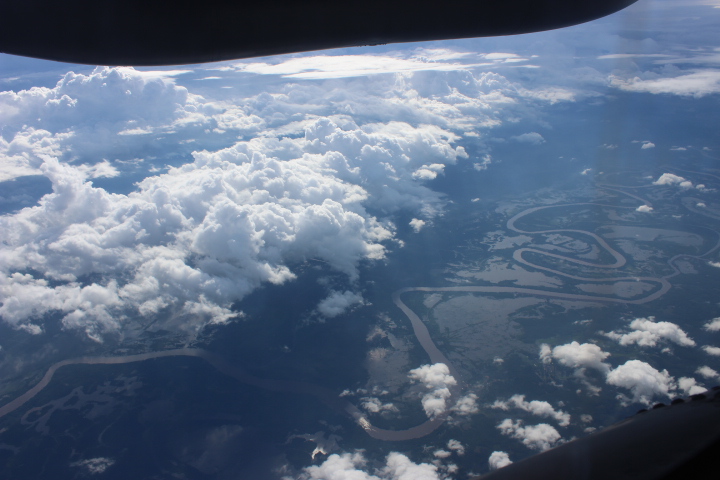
point(536, 437)
point(643, 381)
point(195, 240)
point(710, 350)
point(417, 224)
point(192, 241)
point(400, 467)
point(672, 179)
point(536, 407)
point(668, 179)
point(499, 460)
point(437, 379)
point(456, 446)
point(80, 118)
point(689, 386)
point(374, 405)
point(707, 372)
point(713, 325)
point(576, 355)
point(466, 405)
point(338, 467)
point(545, 353)
point(351, 466)
point(648, 333)
point(646, 145)
point(338, 302)
point(434, 403)
point(644, 209)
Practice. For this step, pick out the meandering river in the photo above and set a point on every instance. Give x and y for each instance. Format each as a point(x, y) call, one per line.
point(331, 398)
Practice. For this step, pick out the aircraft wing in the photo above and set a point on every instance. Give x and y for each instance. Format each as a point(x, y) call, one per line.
point(169, 32)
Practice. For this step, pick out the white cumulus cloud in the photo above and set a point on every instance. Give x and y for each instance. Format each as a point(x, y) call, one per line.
point(672, 179)
point(417, 224)
point(710, 350)
point(689, 386)
point(576, 355)
point(351, 466)
point(456, 446)
point(536, 437)
point(643, 381)
point(437, 380)
point(644, 209)
point(499, 460)
point(713, 325)
point(648, 333)
point(466, 405)
point(707, 372)
point(536, 407)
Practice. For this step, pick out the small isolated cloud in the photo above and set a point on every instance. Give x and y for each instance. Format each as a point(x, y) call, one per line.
point(714, 324)
point(672, 179)
point(689, 386)
point(437, 379)
point(428, 172)
point(374, 405)
point(536, 437)
point(644, 209)
point(643, 381)
point(338, 302)
point(456, 446)
point(441, 453)
point(94, 466)
point(647, 145)
point(707, 372)
point(710, 350)
point(499, 460)
point(586, 171)
point(483, 164)
point(576, 355)
point(533, 138)
point(714, 264)
point(417, 224)
point(648, 333)
point(536, 407)
point(350, 466)
point(678, 149)
point(466, 405)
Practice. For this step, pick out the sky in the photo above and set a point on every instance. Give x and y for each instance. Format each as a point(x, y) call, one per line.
point(165, 196)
